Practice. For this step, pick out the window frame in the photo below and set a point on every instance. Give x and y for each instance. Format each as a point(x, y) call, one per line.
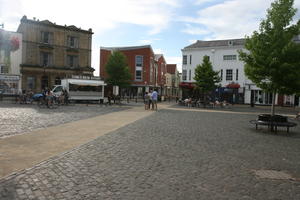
point(229, 76)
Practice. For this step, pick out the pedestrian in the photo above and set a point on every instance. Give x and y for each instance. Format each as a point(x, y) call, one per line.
point(66, 97)
point(154, 99)
point(150, 99)
point(146, 100)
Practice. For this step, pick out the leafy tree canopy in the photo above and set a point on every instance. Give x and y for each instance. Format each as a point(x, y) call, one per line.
point(118, 70)
point(272, 61)
point(206, 78)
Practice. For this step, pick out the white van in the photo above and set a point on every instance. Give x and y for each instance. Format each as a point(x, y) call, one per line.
point(81, 89)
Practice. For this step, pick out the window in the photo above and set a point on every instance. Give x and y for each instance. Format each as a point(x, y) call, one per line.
point(57, 81)
point(184, 74)
point(72, 61)
point(228, 74)
point(190, 59)
point(72, 42)
point(138, 67)
point(3, 69)
point(138, 75)
point(45, 59)
point(237, 74)
point(221, 74)
point(190, 75)
point(184, 60)
point(30, 82)
point(46, 37)
point(229, 57)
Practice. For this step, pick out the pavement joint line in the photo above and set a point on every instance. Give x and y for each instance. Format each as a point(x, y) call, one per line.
point(221, 111)
point(51, 158)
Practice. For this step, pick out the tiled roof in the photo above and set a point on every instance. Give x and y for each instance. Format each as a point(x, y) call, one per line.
point(171, 68)
point(216, 43)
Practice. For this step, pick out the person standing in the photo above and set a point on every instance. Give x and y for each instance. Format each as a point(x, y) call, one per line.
point(154, 99)
point(146, 99)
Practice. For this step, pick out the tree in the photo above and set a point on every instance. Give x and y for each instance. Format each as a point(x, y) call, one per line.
point(118, 70)
point(272, 61)
point(206, 78)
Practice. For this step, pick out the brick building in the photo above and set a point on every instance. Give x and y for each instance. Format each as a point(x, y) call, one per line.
point(52, 52)
point(147, 69)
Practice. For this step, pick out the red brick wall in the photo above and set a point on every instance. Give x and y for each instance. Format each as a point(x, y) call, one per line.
point(130, 55)
point(161, 71)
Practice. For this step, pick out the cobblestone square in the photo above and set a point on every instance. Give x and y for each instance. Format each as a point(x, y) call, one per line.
point(17, 119)
point(171, 154)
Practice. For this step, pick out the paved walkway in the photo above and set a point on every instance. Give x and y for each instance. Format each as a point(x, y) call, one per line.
point(24, 151)
point(169, 154)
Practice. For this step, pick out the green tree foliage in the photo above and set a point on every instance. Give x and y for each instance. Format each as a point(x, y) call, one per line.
point(118, 70)
point(206, 78)
point(272, 61)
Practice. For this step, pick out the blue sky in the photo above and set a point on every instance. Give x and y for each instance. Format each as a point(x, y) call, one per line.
point(168, 25)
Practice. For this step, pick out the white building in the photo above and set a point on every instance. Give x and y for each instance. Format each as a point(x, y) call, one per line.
point(10, 60)
point(223, 54)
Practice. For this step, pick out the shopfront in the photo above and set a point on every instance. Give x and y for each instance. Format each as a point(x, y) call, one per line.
point(9, 84)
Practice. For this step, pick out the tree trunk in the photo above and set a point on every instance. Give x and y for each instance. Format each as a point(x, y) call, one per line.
point(273, 103)
point(273, 109)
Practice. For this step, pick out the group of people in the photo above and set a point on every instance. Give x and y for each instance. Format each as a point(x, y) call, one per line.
point(150, 99)
point(49, 97)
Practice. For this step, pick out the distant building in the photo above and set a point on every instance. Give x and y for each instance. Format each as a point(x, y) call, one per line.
point(234, 87)
point(52, 52)
point(10, 60)
point(172, 80)
point(147, 69)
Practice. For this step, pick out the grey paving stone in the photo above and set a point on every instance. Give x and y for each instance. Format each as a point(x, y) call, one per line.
point(172, 155)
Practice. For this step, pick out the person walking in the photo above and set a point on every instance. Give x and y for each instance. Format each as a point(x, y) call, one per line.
point(146, 100)
point(154, 99)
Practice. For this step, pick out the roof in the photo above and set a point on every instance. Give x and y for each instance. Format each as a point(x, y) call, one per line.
point(171, 68)
point(126, 48)
point(216, 43)
point(49, 23)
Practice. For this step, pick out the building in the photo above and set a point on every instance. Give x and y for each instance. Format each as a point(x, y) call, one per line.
point(234, 87)
point(10, 60)
point(172, 81)
point(161, 73)
point(145, 67)
point(52, 52)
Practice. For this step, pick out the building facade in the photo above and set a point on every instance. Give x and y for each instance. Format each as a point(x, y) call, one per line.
point(10, 60)
point(235, 87)
point(172, 81)
point(145, 67)
point(52, 52)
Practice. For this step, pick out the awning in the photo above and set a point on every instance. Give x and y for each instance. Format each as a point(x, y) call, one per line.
point(233, 86)
point(186, 85)
point(86, 82)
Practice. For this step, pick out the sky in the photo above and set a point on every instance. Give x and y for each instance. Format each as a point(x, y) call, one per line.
point(167, 25)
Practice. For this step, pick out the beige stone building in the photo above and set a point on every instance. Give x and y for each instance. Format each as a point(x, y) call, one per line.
point(52, 52)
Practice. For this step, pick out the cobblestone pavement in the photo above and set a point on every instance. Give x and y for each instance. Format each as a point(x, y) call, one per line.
point(17, 119)
point(169, 155)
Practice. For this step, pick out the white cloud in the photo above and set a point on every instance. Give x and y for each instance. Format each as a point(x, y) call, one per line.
point(191, 41)
point(100, 15)
point(158, 51)
point(200, 2)
point(148, 41)
point(189, 29)
point(231, 19)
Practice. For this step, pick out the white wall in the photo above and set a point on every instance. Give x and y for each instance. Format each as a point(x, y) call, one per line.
point(216, 58)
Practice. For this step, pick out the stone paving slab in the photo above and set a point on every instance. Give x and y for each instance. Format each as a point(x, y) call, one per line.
point(23, 151)
point(171, 154)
